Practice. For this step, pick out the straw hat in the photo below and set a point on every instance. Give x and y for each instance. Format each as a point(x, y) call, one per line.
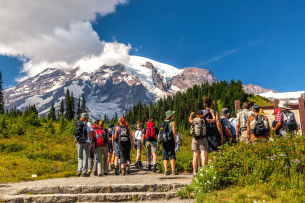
point(283, 105)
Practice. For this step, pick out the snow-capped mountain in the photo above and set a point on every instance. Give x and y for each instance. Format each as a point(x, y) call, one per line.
point(291, 97)
point(108, 90)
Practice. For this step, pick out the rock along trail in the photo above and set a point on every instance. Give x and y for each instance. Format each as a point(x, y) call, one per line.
point(140, 185)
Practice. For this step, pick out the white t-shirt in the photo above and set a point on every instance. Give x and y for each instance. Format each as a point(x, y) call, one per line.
point(138, 134)
point(89, 128)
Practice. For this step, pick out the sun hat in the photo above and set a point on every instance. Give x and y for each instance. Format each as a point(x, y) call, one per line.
point(261, 111)
point(169, 113)
point(283, 105)
point(84, 115)
point(225, 111)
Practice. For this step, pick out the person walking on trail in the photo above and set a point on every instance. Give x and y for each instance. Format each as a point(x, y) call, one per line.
point(214, 128)
point(110, 148)
point(101, 138)
point(83, 132)
point(92, 154)
point(226, 125)
point(233, 122)
point(138, 134)
point(150, 140)
point(286, 122)
point(200, 143)
point(241, 124)
point(125, 141)
point(257, 125)
point(167, 138)
point(116, 150)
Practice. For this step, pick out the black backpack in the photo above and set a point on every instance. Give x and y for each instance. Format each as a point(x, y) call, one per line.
point(80, 133)
point(259, 126)
point(165, 133)
point(289, 121)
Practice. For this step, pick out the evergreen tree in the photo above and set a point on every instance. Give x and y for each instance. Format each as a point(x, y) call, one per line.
point(78, 112)
point(68, 105)
point(1, 96)
point(72, 103)
point(52, 114)
point(106, 120)
point(62, 108)
point(83, 106)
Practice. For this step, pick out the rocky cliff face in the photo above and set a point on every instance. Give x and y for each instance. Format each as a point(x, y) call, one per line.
point(255, 89)
point(108, 90)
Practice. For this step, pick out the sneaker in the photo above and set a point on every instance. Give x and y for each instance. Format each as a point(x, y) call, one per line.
point(78, 174)
point(89, 172)
point(137, 164)
point(85, 175)
point(111, 166)
point(117, 171)
point(167, 173)
point(123, 172)
point(194, 174)
point(100, 175)
point(174, 172)
point(154, 169)
point(105, 174)
point(128, 170)
point(95, 174)
point(140, 164)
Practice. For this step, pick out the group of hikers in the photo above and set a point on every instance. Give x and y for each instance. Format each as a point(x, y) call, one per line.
point(101, 150)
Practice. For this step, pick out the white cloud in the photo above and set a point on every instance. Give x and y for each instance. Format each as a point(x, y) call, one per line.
point(52, 33)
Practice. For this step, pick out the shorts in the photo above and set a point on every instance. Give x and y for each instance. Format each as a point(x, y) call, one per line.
point(151, 146)
point(124, 148)
point(201, 144)
point(168, 150)
point(116, 149)
point(110, 147)
point(137, 144)
point(244, 136)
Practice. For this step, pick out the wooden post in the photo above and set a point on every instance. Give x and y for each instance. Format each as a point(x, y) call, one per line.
point(276, 104)
point(237, 106)
point(302, 114)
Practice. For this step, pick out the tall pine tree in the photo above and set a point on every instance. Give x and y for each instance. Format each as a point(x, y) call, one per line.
point(1, 96)
point(62, 108)
point(83, 106)
point(79, 111)
point(68, 105)
point(72, 103)
point(52, 114)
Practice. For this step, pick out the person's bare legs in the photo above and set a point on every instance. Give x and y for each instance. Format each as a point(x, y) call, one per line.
point(204, 158)
point(165, 163)
point(154, 158)
point(138, 155)
point(195, 161)
point(173, 164)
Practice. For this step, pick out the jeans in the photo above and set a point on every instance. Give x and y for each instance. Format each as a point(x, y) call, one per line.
point(102, 156)
point(83, 154)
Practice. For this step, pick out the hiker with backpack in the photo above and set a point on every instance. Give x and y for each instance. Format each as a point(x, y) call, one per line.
point(138, 134)
point(83, 132)
point(101, 149)
point(226, 125)
point(179, 141)
point(200, 143)
point(116, 150)
point(241, 124)
point(286, 122)
point(257, 125)
point(233, 122)
point(214, 128)
point(125, 143)
point(110, 148)
point(92, 154)
point(167, 138)
point(150, 140)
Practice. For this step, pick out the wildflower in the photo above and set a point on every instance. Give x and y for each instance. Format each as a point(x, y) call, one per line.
point(296, 161)
point(214, 177)
point(208, 182)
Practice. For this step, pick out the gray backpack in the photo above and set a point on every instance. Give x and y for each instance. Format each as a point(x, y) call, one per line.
point(124, 134)
point(289, 121)
point(198, 128)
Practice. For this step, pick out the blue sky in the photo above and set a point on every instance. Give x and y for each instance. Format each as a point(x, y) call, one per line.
point(259, 42)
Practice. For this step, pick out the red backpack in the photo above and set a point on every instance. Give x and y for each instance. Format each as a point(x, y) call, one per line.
point(150, 131)
point(100, 139)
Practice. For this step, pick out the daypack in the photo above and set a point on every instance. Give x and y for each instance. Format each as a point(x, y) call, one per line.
point(207, 115)
point(110, 133)
point(224, 128)
point(289, 121)
point(123, 134)
point(100, 137)
point(165, 134)
point(259, 126)
point(80, 133)
point(233, 125)
point(150, 132)
point(138, 134)
point(198, 128)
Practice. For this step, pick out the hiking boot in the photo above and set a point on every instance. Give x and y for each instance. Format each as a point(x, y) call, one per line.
point(106, 174)
point(174, 172)
point(100, 175)
point(117, 171)
point(123, 172)
point(95, 173)
point(167, 173)
point(137, 165)
point(128, 170)
point(149, 166)
point(111, 166)
point(85, 175)
point(89, 172)
point(140, 164)
point(78, 174)
point(154, 168)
